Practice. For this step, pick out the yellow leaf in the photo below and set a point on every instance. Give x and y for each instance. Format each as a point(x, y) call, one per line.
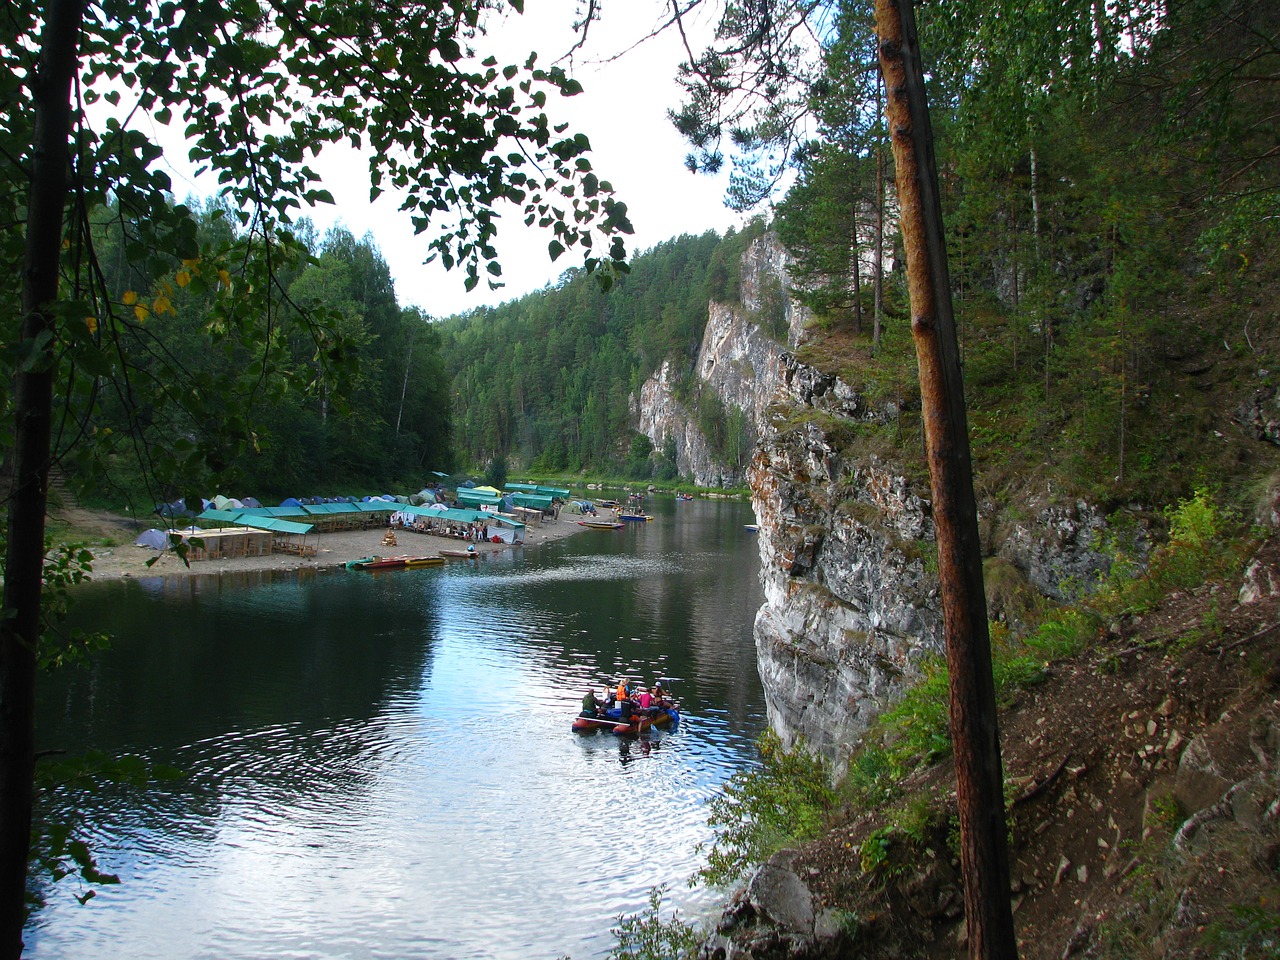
point(129, 298)
point(140, 311)
point(162, 305)
point(224, 278)
point(91, 323)
point(182, 277)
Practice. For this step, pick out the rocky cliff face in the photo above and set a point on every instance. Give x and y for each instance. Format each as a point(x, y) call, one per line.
point(850, 600)
point(846, 537)
point(848, 559)
point(737, 362)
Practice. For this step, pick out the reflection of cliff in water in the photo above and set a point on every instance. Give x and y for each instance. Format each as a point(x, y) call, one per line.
point(712, 604)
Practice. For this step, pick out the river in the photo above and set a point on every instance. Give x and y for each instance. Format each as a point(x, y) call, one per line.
point(380, 764)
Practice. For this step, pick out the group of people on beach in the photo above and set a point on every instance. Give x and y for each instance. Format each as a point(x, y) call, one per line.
point(630, 701)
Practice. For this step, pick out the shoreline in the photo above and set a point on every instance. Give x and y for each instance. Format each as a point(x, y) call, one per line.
point(128, 561)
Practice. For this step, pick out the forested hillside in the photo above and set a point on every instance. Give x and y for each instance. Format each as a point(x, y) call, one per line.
point(1111, 191)
point(375, 413)
point(546, 381)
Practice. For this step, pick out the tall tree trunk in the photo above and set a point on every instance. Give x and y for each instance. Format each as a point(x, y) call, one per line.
point(1035, 203)
point(33, 406)
point(857, 281)
point(404, 386)
point(974, 730)
point(877, 314)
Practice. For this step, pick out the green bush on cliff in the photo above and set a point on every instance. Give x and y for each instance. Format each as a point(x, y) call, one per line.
point(787, 799)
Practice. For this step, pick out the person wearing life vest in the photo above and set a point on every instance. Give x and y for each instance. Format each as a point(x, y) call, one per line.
point(623, 696)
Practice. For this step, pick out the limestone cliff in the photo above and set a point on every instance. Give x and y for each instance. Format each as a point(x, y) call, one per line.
point(850, 600)
point(736, 364)
point(848, 561)
point(846, 536)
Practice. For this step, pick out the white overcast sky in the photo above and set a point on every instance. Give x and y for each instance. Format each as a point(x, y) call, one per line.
point(623, 111)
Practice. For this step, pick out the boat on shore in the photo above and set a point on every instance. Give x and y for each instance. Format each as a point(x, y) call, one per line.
point(611, 719)
point(394, 563)
point(600, 524)
point(460, 554)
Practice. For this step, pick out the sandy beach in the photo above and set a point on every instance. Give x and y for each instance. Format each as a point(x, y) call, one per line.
point(332, 550)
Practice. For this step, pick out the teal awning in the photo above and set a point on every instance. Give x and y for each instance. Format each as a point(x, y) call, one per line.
point(471, 497)
point(531, 501)
point(249, 517)
point(328, 509)
point(459, 515)
point(276, 525)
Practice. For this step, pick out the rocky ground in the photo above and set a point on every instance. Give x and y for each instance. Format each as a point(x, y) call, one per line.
point(110, 537)
point(1144, 800)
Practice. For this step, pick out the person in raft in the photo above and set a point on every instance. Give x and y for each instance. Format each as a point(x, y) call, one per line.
point(648, 705)
point(622, 695)
point(590, 705)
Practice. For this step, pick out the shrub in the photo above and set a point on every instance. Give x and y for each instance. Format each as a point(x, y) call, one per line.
point(787, 799)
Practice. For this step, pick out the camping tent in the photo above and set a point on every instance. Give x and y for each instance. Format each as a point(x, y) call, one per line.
point(152, 539)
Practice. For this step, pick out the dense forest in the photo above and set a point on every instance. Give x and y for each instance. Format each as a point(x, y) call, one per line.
point(1108, 255)
point(361, 400)
point(1110, 186)
point(547, 382)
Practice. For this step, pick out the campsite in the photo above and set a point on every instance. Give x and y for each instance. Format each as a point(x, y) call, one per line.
point(233, 535)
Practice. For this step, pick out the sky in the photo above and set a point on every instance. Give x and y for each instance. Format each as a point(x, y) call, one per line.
point(623, 111)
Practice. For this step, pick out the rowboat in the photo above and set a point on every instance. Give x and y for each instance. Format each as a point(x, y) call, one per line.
point(634, 517)
point(612, 720)
point(460, 554)
point(600, 524)
point(394, 563)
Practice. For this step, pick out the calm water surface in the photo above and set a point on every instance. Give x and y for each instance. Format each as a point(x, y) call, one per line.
point(380, 765)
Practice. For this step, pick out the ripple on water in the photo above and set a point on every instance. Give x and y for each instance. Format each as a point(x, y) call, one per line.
point(384, 767)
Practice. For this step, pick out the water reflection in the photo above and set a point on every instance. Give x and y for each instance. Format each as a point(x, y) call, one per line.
point(381, 766)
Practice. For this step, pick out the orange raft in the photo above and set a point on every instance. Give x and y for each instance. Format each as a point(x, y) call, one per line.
point(612, 720)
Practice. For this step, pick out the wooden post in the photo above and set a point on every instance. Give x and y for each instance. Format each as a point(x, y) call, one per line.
point(979, 778)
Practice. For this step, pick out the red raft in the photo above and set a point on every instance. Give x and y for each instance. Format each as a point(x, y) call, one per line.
point(637, 724)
